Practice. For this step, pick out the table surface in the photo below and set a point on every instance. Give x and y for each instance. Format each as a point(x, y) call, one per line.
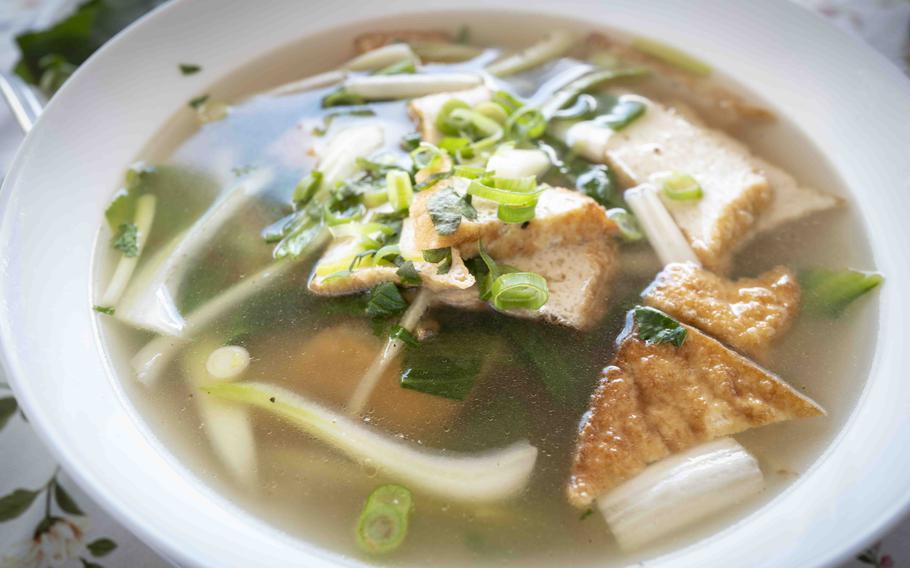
point(84, 535)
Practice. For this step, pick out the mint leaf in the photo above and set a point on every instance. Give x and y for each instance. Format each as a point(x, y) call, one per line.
point(655, 327)
point(446, 209)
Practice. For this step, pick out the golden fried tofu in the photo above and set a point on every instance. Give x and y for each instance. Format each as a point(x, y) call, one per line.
point(654, 400)
point(373, 40)
point(747, 314)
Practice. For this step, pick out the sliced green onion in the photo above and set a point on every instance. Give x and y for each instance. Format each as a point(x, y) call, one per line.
point(341, 97)
point(583, 107)
point(583, 84)
point(623, 113)
point(671, 55)
point(404, 66)
point(509, 214)
point(829, 292)
point(681, 187)
point(508, 102)
point(493, 111)
point(502, 196)
point(306, 188)
point(519, 291)
point(447, 124)
point(386, 252)
point(628, 226)
point(399, 189)
point(376, 198)
point(331, 219)
point(455, 145)
point(525, 124)
point(427, 156)
point(489, 129)
point(383, 522)
point(469, 172)
point(360, 230)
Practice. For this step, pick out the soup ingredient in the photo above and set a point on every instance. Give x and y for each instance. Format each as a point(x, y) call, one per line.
point(510, 162)
point(517, 197)
point(679, 490)
point(671, 55)
point(519, 291)
point(748, 314)
point(663, 234)
point(228, 362)
point(680, 187)
point(382, 57)
point(189, 68)
point(383, 523)
point(426, 110)
point(571, 93)
point(108, 311)
point(554, 45)
point(131, 241)
point(400, 190)
point(328, 118)
point(658, 399)
point(489, 476)
point(318, 81)
point(148, 302)
point(626, 223)
point(372, 40)
point(446, 209)
point(392, 348)
point(791, 200)
point(829, 292)
point(656, 327)
point(227, 426)
point(390, 87)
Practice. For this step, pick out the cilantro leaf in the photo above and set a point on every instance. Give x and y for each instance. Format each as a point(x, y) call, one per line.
point(127, 240)
point(385, 300)
point(446, 210)
point(654, 326)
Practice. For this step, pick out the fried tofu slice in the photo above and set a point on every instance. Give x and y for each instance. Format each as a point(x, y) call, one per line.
point(791, 200)
point(726, 108)
point(424, 110)
point(373, 40)
point(562, 217)
point(656, 400)
point(735, 193)
point(747, 314)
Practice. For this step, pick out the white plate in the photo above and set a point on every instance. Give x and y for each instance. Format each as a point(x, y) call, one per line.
point(854, 105)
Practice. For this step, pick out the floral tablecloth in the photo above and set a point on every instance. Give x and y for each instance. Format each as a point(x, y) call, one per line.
point(46, 520)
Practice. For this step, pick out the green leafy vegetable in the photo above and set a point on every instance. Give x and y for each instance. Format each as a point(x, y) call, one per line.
point(306, 188)
point(385, 300)
point(408, 274)
point(197, 103)
point(341, 97)
point(402, 334)
point(446, 209)
point(447, 364)
point(829, 292)
point(623, 113)
point(127, 239)
point(599, 183)
point(330, 117)
point(411, 141)
point(656, 327)
point(123, 207)
point(106, 310)
point(432, 180)
point(383, 522)
point(189, 68)
point(441, 257)
point(48, 56)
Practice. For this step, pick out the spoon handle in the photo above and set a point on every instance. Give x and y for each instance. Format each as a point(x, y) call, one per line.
point(23, 102)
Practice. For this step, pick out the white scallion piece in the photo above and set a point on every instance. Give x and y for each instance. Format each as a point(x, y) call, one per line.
point(554, 45)
point(145, 215)
point(680, 490)
point(513, 163)
point(320, 81)
point(339, 160)
point(390, 87)
point(587, 138)
point(148, 302)
point(392, 348)
point(227, 426)
point(382, 57)
point(476, 478)
point(228, 362)
point(664, 235)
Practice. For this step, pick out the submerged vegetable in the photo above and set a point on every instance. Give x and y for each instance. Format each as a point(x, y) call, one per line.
point(228, 362)
point(654, 326)
point(829, 292)
point(489, 476)
point(662, 231)
point(383, 522)
point(130, 242)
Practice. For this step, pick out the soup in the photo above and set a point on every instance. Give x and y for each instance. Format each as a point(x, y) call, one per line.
point(454, 304)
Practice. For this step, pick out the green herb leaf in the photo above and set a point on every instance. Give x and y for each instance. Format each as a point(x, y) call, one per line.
point(655, 327)
point(385, 300)
point(622, 114)
point(829, 292)
point(328, 118)
point(408, 275)
point(8, 408)
point(137, 181)
point(441, 257)
point(101, 547)
point(599, 183)
point(65, 501)
point(197, 102)
point(189, 68)
point(106, 310)
point(446, 210)
point(16, 503)
point(400, 333)
point(127, 240)
point(432, 180)
point(411, 141)
point(448, 364)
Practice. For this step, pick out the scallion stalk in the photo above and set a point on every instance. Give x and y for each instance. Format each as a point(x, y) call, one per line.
point(383, 522)
point(519, 291)
point(399, 189)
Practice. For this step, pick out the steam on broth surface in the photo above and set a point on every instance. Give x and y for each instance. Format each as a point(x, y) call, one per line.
point(467, 447)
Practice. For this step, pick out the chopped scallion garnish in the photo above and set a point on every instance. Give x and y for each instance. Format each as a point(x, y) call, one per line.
point(383, 522)
point(399, 189)
point(519, 291)
point(628, 226)
point(306, 188)
point(445, 123)
point(681, 187)
point(332, 219)
point(402, 67)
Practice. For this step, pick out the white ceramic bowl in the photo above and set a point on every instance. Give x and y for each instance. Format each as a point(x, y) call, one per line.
point(852, 103)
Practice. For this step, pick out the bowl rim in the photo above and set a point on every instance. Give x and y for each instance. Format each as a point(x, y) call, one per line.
point(882, 75)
